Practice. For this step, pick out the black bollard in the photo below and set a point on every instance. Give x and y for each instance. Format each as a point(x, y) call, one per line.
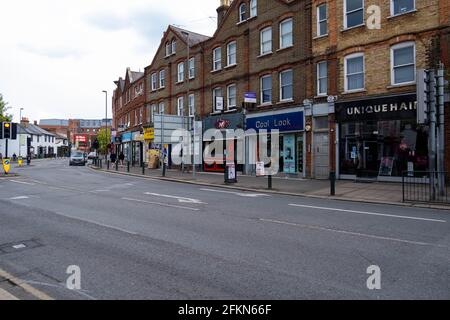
point(128, 166)
point(269, 182)
point(117, 165)
point(143, 168)
point(333, 183)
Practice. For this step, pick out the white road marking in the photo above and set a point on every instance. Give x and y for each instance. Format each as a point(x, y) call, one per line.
point(23, 182)
point(161, 204)
point(368, 213)
point(19, 246)
point(97, 223)
point(180, 199)
point(358, 234)
point(20, 198)
point(247, 195)
point(6, 296)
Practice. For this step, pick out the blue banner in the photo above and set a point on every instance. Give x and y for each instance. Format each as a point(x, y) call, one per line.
point(284, 122)
point(127, 137)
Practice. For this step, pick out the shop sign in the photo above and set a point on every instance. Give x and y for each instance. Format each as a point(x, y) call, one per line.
point(149, 133)
point(384, 108)
point(284, 122)
point(138, 136)
point(250, 97)
point(224, 121)
point(127, 137)
point(222, 124)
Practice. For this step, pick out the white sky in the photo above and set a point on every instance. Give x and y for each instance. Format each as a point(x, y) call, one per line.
point(56, 56)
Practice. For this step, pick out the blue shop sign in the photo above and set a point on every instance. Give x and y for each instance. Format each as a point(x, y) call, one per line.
point(284, 122)
point(127, 137)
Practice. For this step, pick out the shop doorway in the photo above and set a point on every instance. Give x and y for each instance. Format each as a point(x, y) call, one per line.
point(321, 156)
point(370, 162)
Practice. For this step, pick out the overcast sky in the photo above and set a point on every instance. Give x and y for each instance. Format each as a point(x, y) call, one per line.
point(57, 56)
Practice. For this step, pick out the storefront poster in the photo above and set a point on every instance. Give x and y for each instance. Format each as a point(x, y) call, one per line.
point(289, 154)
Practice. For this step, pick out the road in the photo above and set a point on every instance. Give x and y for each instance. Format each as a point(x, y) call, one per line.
point(136, 238)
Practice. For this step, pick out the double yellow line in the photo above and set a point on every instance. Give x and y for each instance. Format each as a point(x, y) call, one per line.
point(25, 286)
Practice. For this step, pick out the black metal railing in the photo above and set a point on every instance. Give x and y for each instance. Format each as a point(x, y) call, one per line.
point(426, 187)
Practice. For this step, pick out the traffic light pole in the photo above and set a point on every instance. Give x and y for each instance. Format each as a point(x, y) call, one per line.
point(6, 148)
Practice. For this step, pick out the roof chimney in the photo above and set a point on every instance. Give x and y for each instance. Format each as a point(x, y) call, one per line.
point(222, 10)
point(24, 122)
point(35, 123)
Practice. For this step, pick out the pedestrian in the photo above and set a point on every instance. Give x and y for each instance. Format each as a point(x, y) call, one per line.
point(121, 157)
point(113, 157)
point(14, 156)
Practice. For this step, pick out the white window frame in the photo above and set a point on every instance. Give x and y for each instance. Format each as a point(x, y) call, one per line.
point(168, 48)
point(161, 108)
point(319, 34)
point(191, 105)
point(180, 72)
point(180, 106)
point(216, 60)
point(214, 96)
point(162, 78)
point(352, 56)
point(268, 30)
point(346, 13)
point(154, 81)
point(253, 8)
point(242, 12)
point(230, 105)
point(153, 111)
point(402, 46)
point(173, 46)
point(322, 78)
point(262, 89)
point(191, 67)
point(393, 14)
point(285, 21)
point(230, 55)
point(282, 86)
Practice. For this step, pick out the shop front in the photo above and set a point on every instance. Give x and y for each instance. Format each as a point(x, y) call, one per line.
point(137, 148)
point(380, 139)
point(291, 126)
point(223, 122)
point(126, 140)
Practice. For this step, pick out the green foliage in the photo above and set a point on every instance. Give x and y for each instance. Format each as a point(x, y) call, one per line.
point(3, 108)
point(104, 138)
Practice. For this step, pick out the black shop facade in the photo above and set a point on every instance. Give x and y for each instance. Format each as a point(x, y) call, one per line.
point(379, 138)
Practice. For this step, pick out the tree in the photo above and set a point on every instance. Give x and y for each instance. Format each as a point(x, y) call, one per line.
point(104, 139)
point(3, 108)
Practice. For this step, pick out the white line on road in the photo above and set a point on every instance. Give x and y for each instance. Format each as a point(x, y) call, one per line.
point(368, 213)
point(6, 296)
point(23, 182)
point(161, 204)
point(97, 223)
point(180, 199)
point(358, 234)
point(20, 198)
point(247, 195)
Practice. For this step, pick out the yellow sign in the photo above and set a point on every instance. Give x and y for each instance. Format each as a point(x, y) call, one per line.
point(6, 165)
point(149, 134)
point(20, 161)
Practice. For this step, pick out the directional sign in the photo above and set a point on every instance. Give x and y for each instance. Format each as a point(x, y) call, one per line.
point(6, 165)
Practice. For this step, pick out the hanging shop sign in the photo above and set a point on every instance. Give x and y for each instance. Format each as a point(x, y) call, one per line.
point(383, 108)
point(149, 134)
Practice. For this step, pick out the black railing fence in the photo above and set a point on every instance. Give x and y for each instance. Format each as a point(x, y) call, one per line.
point(426, 186)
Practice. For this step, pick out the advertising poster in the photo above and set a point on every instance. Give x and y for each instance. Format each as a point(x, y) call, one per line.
point(289, 154)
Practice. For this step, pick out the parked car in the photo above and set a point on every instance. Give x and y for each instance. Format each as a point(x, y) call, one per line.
point(77, 159)
point(92, 155)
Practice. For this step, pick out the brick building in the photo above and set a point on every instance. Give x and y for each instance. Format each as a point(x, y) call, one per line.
point(340, 90)
point(363, 81)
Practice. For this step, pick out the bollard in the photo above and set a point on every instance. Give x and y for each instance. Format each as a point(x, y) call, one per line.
point(117, 165)
point(269, 181)
point(143, 168)
point(107, 165)
point(164, 168)
point(101, 163)
point(332, 183)
point(128, 166)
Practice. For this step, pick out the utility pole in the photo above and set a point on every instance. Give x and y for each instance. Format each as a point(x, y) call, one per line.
point(106, 123)
point(20, 120)
point(441, 135)
point(432, 133)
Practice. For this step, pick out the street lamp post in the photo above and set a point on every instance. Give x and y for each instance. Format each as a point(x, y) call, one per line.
point(20, 121)
point(106, 123)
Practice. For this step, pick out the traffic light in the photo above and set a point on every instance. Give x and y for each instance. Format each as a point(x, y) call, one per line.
point(8, 130)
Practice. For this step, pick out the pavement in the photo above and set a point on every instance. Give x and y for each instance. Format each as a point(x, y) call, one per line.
point(369, 192)
point(140, 238)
